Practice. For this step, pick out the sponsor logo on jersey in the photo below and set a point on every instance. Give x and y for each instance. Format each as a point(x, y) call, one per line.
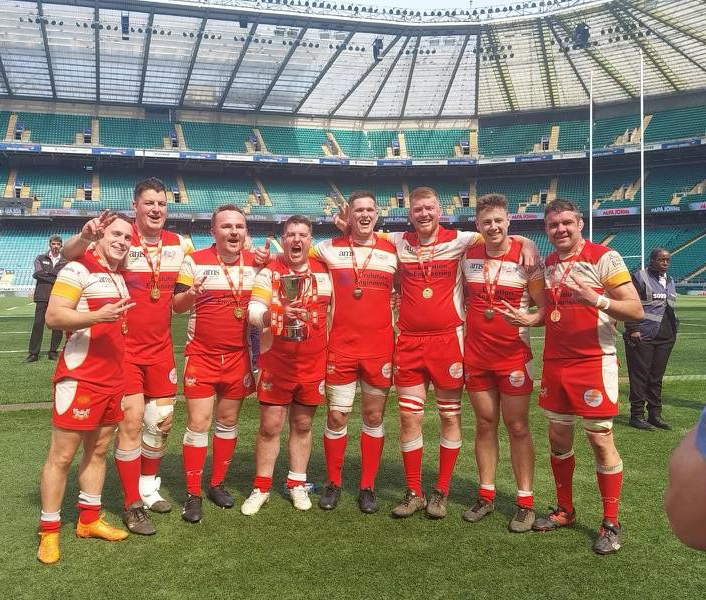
point(212, 272)
point(322, 387)
point(266, 386)
point(83, 399)
point(456, 370)
point(330, 368)
point(517, 378)
point(593, 397)
point(247, 380)
point(81, 414)
point(387, 369)
point(189, 381)
point(173, 376)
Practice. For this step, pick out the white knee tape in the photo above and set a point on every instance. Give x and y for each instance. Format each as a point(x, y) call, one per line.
point(598, 426)
point(610, 470)
point(226, 432)
point(340, 397)
point(376, 432)
point(448, 407)
point(560, 419)
point(411, 404)
point(411, 445)
point(155, 415)
point(366, 388)
point(335, 435)
point(195, 439)
point(450, 444)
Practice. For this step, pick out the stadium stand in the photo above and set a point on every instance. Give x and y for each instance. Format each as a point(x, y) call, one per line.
point(512, 139)
point(294, 141)
point(292, 196)
point(353, 143)
point(134, 133)
point(573, 135)
point(53, 128)
point(380, 140)
point(54, 188)
point(217, 137)
point(434, 143)
point(206, 192)
point(519, 192)
point(677, 123)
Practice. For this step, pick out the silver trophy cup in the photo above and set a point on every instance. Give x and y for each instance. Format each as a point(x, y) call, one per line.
point(292, 289)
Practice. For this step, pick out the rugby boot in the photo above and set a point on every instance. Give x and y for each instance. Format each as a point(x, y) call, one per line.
point(48, 552)
point(192, 512)
point(300, 497)
point(220, 496)
point(329, 499)
point(479, 510)
point(254, 502)
point(367, 501)
point(100, 529)
point(137, 520)
point(558, 517)
point(522, 520)
point(411, 504)
point(436, 508)
point(151, 498)
point(610, 538)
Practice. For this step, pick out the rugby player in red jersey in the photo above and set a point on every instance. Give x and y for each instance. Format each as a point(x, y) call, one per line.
point(292, 372)
point(90, 301)
point(587, 288)
point(362, 267)
point(497, 355)
point(215, 285)
point(151, 268)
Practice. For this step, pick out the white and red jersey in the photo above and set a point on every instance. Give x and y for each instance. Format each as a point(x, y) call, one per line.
point(444, 310)
point(494, 344)
point(582, 331)
point(360, 327)
point(149, 340)
point(213, 326)
point(305, 361)
point(95, 354)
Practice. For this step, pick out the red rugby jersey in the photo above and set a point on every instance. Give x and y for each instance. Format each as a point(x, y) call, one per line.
point(444, 310)
point(582, 331)
point(213, 327)
point(360, 327)
point(150, 340)
point(494, 344)
point(95, 354)
point(301, 362)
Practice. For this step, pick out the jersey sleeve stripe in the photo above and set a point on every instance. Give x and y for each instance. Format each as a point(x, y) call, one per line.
point(66, 290)
point(617, 279)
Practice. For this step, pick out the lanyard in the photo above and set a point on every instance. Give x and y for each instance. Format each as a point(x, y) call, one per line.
point(154, 267)
point(102, 263)
point(490, 288)
point(426, 272)
point(237, 294)
point(557, 287)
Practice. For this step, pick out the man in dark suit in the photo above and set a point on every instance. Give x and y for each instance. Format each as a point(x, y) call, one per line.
point(46, 268)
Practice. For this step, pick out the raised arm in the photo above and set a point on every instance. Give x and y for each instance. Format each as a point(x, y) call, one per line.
point(91, 232)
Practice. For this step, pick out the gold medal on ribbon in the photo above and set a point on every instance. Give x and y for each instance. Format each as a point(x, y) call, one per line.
point(123, 327)
point(155, 293)
point(357, 292)
point(238, 312)
point(489, 313)
point(427, 292)
point(555, 316)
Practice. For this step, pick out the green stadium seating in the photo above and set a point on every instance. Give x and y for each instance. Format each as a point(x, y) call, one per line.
point(4, 118)
point(677, 123)
point(293, 141)
point(433, 143)
point(206, 192)
point(353, 143)
point(573, 135)
point(51, 186)
point(661, 183)
point(515, 190)
point(511, 139)
point(605, 131)
point(300, 197)
point(380, 140)
point(133, 133)
point(53, 128)
point(216, 137)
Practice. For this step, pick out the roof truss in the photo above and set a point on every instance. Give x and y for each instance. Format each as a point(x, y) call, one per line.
point(40, 11)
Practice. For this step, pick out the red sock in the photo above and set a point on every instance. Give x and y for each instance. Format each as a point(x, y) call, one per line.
point(448, 453)
point(525, 501)
point(262, 483)
point(412, 460)
point(295, 479)
point(610, 485)
point(194, 460)
point(90, 507)
point(151, 459)
point(370, 454)
point(335, 451)
point(49, 522)
point(486, 494)
point(223, 449)
point(563, 469)
point(127, 462)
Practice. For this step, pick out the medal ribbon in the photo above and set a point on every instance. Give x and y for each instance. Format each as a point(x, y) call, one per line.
point(154, 267)
point(359, 272)
point(237, 295)
point(490, 289)
point(104, 264)
point(556, 287)
point(417, 250)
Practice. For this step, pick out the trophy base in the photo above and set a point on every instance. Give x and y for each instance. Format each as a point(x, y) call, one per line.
point(295, 333)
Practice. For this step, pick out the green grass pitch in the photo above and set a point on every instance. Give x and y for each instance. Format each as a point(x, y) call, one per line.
point(343, 554)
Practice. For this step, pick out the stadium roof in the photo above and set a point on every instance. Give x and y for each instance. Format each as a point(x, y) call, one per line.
point(301, 58)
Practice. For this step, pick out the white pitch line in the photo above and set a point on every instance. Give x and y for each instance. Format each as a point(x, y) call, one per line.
point(12, 308)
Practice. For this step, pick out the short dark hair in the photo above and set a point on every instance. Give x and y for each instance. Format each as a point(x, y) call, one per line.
point(654, 253)
point(56, 238)
point(560, 205)
point(151, 183)
point(224, 208)
point(423, 192)
point(298, 220)
point(493, 200)
point(361, 194)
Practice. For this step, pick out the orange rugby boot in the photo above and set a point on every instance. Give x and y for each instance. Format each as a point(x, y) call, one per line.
point(48, 552)
point(100, 529)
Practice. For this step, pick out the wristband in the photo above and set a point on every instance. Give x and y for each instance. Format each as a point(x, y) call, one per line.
point(701, 434)
point(603, 302)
